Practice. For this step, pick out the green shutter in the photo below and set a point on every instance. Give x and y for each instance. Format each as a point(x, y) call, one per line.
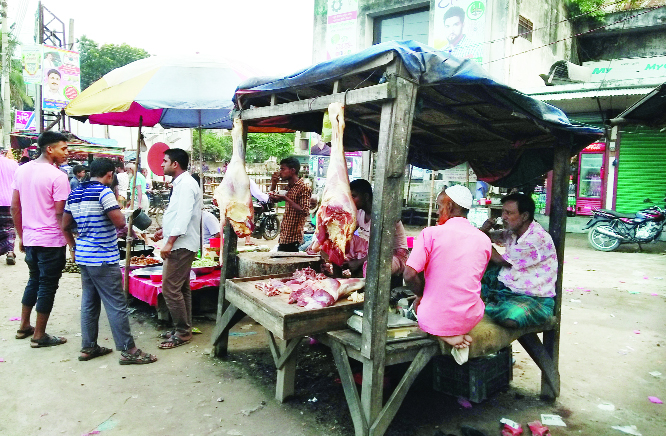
point(641, 170)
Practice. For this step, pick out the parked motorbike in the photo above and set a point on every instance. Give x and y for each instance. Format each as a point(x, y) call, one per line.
point(266, 222)
point(609, 229)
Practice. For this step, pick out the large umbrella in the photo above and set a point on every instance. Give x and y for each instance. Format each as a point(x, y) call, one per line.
point(187, 91)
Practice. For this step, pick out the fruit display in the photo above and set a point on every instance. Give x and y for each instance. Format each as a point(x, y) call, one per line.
point(71, 267)
point(206, 261)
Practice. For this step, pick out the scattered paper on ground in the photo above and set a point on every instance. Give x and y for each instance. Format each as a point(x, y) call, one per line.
point(555, 420)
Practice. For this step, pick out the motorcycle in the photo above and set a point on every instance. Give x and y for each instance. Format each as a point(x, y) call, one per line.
point(609, 229)
point(266, 222)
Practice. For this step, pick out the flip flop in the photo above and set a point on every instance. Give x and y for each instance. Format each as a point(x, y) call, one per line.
point(138, 358)
point(47, 341)
point(22, 334)
point(92, 352)
point(173, 342)
point(167, 334)
point(11, 260)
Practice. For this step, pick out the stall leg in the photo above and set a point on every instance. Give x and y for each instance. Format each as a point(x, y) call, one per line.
point(285, 361)
point(162, 310)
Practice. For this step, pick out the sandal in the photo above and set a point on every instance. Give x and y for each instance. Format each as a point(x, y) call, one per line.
point(47, 341)
point(92, 352)
point(138, 358)
point(11, 258)
point(173, 342)
point(22, 334)
point(167, 334)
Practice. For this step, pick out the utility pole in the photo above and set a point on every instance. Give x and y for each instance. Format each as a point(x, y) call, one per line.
point(39, 39)
point(6, 103)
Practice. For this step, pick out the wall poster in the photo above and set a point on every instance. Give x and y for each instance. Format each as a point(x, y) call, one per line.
point(459, 28)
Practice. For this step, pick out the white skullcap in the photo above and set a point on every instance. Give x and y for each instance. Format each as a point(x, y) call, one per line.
point(460, 196)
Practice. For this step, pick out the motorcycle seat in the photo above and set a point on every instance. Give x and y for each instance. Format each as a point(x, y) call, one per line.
point(618, 214)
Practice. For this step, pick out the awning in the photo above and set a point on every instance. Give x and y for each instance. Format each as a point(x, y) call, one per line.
point(591, 100)
point(649, 110)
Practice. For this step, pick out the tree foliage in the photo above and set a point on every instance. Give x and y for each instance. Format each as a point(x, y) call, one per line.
point(260, 146)
point(18, 96)
point(97, 60)
point(586, 10)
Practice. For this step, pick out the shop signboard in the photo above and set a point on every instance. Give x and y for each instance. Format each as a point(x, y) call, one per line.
point(61, 81)
point(24, 120)
point(620, 70)
point(31, 58)
point(459, 28)
point(341, 28)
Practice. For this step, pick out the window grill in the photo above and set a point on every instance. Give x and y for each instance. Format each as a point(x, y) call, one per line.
point(525, 28)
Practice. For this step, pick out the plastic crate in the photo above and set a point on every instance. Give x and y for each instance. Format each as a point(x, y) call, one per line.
point(476, 380)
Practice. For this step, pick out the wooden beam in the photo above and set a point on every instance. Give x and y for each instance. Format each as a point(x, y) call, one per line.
point(284, 357)
point(223, 324)
point(380, 93)
point(538, 353)
point(349, 387)
point(394, 136)
point(378, 428)
point(557, 230)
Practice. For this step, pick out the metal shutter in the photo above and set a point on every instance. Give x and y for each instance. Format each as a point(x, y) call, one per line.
point(641, 169)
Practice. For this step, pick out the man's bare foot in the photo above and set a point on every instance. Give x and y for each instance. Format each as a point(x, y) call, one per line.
point(459, 341)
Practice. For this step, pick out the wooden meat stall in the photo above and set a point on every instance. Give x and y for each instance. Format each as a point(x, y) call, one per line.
point(410, 104)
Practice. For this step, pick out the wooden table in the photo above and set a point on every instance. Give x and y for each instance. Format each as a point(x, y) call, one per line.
point(286, 324)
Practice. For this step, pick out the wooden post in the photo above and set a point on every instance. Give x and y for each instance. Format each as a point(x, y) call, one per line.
point(433, 174)
point(394, 135)
point(128, 244)
point(409, 185)
point(557, 230)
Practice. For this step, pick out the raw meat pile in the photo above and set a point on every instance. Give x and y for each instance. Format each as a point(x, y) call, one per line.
point(233, 195)
point(310, 289)
point(336, 219)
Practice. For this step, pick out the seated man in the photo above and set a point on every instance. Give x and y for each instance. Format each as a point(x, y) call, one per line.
point(519, 285)
point(452, 257)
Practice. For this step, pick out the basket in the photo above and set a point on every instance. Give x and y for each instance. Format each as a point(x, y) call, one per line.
point(476, 380)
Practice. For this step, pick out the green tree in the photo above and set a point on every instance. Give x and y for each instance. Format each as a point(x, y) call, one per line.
point(18, 96)
point(586, 10)
point(96, 61)
point(260, 146)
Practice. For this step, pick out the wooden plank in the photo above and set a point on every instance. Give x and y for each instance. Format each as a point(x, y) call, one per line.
point(379, 93)
point(539, 354)
point(223, 324)
point(286, 373)
point(394, 136)
point(378, 428)
point(349, 387)
point(557, 230)
point(221, 341)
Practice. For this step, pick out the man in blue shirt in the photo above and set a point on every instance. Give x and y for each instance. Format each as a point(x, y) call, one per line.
point(94, 209)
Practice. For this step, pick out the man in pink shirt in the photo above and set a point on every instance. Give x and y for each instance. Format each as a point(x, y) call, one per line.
point(453, 256)
point(7, 233)
point(38, 203)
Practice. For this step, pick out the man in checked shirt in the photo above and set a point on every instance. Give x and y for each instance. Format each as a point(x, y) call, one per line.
point(297, 203)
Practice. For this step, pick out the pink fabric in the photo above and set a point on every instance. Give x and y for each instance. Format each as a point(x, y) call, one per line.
point(129, 118)
point(534, 262)
point(7, 169)
point(454, 256)
point(147, 290)
point(40, 185)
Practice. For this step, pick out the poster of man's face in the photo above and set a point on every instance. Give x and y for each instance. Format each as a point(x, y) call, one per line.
point(53, 81)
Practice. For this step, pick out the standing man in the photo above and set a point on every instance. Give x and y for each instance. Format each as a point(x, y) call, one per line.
point(93, 206)
point(181, 230)
point(7, 233)
point(38, 203)
point(297, 201)
point(123, 183)
point(453, 256)
point(519, 285)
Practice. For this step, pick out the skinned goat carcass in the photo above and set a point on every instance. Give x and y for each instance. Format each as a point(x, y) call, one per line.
point(336, 219)
point(233, 194)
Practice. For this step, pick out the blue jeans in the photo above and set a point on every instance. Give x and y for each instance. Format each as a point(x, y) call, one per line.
point(45, 265)
point(104, 284)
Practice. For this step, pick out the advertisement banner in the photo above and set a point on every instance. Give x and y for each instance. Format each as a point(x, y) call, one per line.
point(459, 28)
point(61, 81)
point(32, 64)
point(341, 28)
point(25, 120)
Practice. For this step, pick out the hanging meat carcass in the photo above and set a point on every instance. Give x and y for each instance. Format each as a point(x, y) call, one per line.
point(233, 194)
point(336, 219)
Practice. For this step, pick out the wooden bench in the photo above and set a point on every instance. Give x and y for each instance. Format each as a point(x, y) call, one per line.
point(487, 338)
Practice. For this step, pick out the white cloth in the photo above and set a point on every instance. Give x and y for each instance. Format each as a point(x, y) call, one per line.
point(123, 183)
point(460, 355)
point(183, 216)
point(210, 225)
point(256, 192)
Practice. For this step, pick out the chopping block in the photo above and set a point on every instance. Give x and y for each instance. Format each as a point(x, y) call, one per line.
point(262, 264)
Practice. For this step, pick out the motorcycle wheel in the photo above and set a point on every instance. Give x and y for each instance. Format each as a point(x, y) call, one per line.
point(601, 242)
point(271, 227)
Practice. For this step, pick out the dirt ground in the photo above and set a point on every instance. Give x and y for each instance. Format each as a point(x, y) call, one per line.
point(613, 337)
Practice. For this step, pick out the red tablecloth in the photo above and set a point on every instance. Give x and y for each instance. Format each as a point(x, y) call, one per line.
point(147, 290)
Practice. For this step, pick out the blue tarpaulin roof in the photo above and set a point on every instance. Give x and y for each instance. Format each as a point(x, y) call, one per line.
point(461, 113)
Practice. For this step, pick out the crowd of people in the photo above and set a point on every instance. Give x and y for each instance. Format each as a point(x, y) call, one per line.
point(453, 269)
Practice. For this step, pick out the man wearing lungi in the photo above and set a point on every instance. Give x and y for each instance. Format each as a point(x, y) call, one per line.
point(519, 285)
point(7, 234)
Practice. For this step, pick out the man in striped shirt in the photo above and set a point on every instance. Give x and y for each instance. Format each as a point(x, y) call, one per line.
point(93, 206)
